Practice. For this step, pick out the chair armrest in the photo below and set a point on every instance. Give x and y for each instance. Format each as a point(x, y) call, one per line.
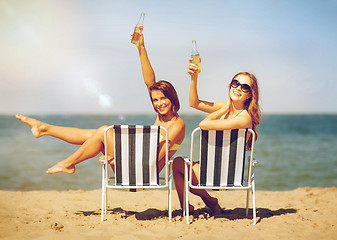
point(101, 159)
point(254, 161)
point(187, 160)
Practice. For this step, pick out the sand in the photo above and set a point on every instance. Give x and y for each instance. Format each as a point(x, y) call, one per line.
point(304, 213)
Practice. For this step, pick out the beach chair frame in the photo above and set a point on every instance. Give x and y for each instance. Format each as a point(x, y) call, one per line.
point(228, 150)
point(136, 151)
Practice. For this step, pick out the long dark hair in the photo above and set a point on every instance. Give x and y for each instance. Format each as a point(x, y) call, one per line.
point(252, 104)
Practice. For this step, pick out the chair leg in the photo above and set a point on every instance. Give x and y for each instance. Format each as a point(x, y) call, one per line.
point(247, 202)
point(105, 194)
point(105, 200)
point(186, 190)
point(103, 208)
point(103, 211)
point(254, 205)
point(170, 194)
point(184, 202)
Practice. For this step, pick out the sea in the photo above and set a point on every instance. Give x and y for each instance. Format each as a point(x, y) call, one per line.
point(292, 151)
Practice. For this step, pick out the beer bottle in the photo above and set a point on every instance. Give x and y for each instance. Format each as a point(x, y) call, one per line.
point(195, 55)
point(138, 29)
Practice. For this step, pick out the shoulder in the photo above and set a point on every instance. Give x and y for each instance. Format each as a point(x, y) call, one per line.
point(177, 128)
point(245, 118)
point(179, 123)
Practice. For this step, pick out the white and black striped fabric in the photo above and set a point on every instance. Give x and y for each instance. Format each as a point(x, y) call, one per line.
point(136, 155)
point(222, 157)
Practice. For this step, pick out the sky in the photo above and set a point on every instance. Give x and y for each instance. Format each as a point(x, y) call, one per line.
point(75, 56)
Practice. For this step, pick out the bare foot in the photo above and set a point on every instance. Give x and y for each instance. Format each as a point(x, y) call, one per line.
point(214, 206)
point(190, 209)
point(38, 128)
point(61, 167)
point(110, 159)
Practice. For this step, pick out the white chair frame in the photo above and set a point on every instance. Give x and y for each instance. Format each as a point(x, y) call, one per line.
point(106, 180)
point(249, 186)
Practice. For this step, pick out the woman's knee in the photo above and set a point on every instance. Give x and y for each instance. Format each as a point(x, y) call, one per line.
point(178, 164)
point(100, 131)
point(102, 128)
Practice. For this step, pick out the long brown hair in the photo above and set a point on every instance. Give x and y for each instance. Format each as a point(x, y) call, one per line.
point(169, 92)
point(252, 104)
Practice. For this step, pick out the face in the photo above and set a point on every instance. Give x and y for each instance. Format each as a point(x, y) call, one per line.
point(160, 102)
point(240, 93)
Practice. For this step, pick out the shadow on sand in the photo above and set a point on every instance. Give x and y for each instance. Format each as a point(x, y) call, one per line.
point(202, 213)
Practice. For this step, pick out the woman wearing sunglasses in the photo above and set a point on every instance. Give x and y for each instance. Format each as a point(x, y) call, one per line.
point(241, 110)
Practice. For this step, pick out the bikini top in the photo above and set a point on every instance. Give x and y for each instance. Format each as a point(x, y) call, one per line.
point(223, 117)
point(174, 147)
point(240, 112)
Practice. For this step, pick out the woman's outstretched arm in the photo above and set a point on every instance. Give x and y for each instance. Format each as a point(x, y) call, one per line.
point(194, 100)
point(147, 70)
point(212, 121)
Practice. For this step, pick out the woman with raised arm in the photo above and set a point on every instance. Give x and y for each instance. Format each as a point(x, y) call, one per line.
point(164, 100)
point(241, 110)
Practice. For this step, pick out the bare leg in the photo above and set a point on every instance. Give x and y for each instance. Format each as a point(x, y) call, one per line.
point(71, 135)
point(178, 174)
point(90, 148)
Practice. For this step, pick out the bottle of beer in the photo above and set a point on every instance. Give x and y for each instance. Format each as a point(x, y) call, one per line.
point(195, 55)
point(138, 29)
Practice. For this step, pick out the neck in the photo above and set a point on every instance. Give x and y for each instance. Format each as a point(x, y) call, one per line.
point(166, 118)
point(236, 107)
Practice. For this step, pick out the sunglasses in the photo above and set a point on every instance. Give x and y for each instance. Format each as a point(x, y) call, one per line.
point(244, 87)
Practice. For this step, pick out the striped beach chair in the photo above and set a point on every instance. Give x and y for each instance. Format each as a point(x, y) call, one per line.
point(136, 151)
point(222, 165)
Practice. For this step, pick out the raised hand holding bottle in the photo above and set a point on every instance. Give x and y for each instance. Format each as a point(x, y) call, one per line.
point(195, 55)
point(138, 30)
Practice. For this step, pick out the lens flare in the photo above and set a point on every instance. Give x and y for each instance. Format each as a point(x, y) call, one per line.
point(104, 100)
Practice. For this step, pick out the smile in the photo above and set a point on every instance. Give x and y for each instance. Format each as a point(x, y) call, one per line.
point(161, 108)
point(237, 93)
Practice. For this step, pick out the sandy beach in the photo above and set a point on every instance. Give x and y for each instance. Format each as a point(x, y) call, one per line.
point(304, 213)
